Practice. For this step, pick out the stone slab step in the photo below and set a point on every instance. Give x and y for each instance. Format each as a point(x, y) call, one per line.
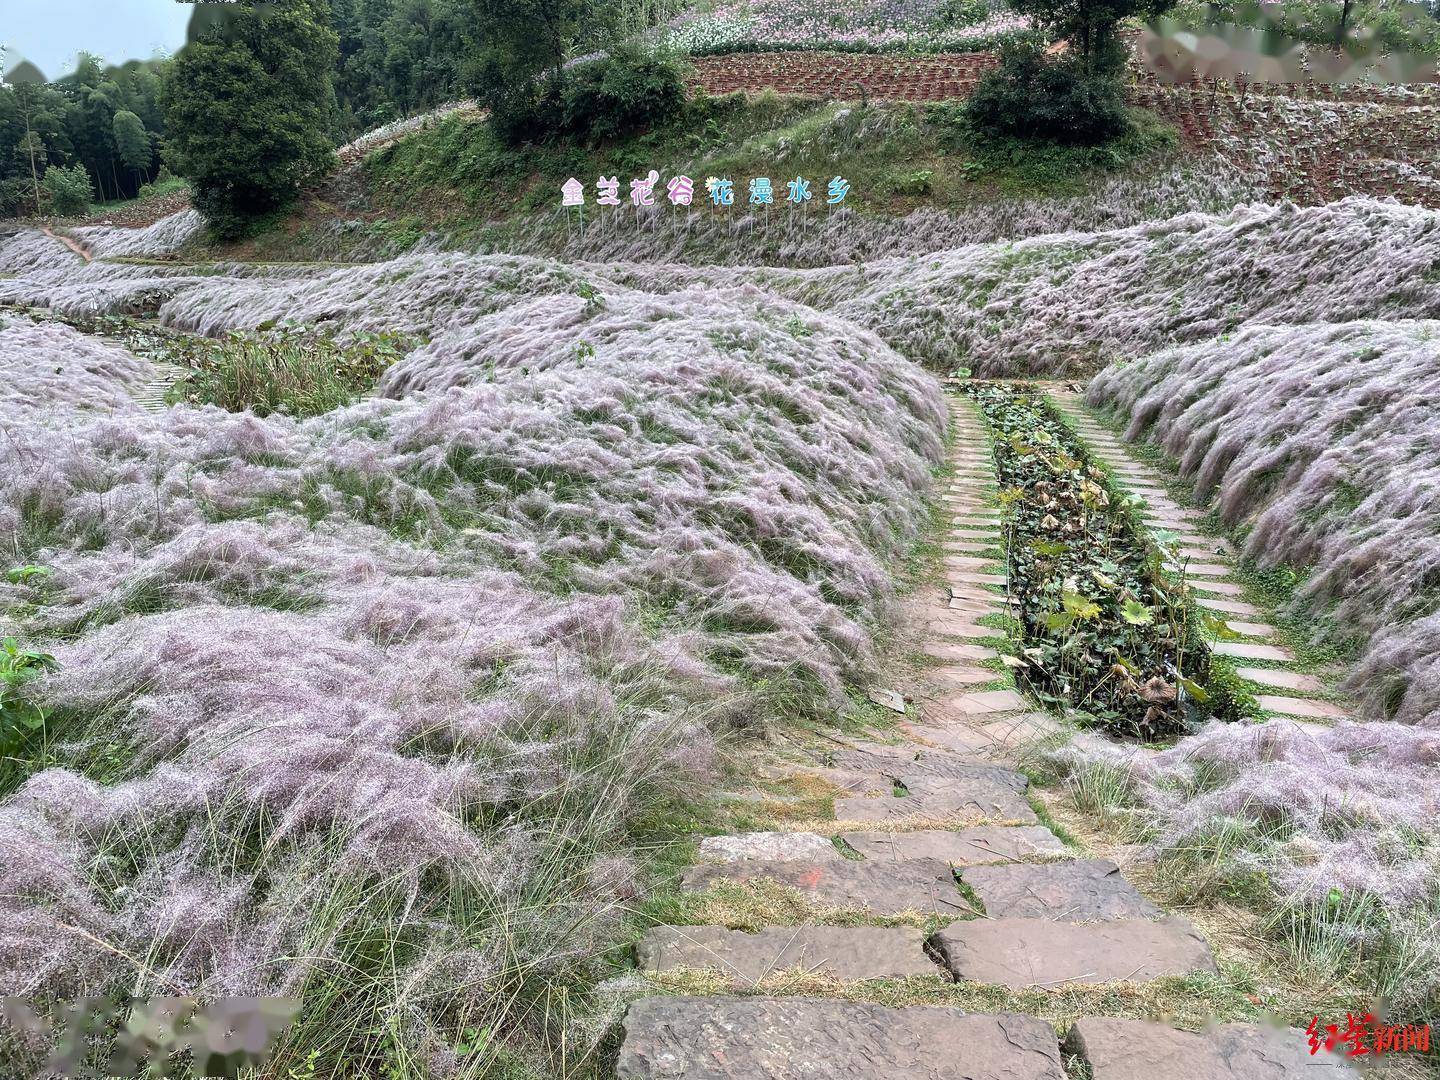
point(1247, 650)
point(1251, 629)
point(962, 847)
point(952, 677)
point(1081, 891)
point(1039, 952)
point(1219, 588)
point(952, 652)
point(1286, 680)
point(768, 847)
point(1293, 706)
point(757, 1038)
point(850, 953)
point(1200, 569)
point(926, 886)
point(1141, 1050)
point(986, 702)
point(1229, 607)
point(941, 799)
point(915, 761)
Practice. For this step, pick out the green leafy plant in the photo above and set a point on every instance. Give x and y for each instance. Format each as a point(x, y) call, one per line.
point(24, 575)
point(20, 717)
point(288, 369)
point(1106, 633)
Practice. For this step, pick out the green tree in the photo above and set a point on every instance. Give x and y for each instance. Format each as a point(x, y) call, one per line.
point(1090, 26)
point(68, 191)
point(133, 143)
point(518, 50)
point(31, 147)
point(248, 109)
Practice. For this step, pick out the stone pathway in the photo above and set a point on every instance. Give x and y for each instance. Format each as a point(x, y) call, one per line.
point(936, 834)
point(152, 392)
point(1207, 563)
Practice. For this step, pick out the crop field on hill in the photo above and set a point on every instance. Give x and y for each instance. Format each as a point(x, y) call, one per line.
point(986, 627)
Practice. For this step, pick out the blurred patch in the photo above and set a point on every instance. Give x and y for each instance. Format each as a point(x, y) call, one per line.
point(1265, 43)
point(146, 1037)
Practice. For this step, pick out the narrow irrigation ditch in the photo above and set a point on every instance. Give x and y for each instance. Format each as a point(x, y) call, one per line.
point(1105, 632)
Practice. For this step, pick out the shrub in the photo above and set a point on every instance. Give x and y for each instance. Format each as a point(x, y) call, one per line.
point(621, 94)
point(290, 370)
point(67, 192)
point(17, 196)
point(1032, 95)
point(608, 98)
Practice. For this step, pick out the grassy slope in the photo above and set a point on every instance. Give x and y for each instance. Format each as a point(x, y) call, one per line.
point(457, 178)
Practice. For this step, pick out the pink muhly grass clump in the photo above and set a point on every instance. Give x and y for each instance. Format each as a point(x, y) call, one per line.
point(437, 652)
point(47, 364)
point(1322, 441)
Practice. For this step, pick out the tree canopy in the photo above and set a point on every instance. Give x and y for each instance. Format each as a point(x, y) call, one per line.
point(249, 108)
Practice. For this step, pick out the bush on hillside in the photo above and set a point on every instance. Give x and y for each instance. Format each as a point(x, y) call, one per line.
point(1031, 95)
point(621, 94)
point(609, 98)
point(67, 192)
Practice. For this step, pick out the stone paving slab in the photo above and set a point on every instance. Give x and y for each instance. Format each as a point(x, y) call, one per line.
point(1291, 706)
point(972, 743)
point(958, 624)
point(1140, 1050)
point(1287, 680)
point(814, 1039)
point(1201, 569)
point(1078, 891)
point(919, 764)
point(985, 703)
point(1229, 607)
point(1039, 952)
point(953, 651)
point(1247, 650)
point(963, 847)
point(1251, 629)
point(942, 798)
point(969, 597)
point(768, 847)
point(1220, 588)
point(958, 677)
point(963, 564)
point(923, 885)
point(972, 577)
point(850, 953)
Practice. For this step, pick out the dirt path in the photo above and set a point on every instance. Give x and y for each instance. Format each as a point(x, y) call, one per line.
point(936, 871)
point(69, 241)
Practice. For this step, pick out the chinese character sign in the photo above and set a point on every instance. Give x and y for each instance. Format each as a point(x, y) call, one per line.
point(681, 190)
point(642, 192)
point(721, 190)
point(1364, 1034)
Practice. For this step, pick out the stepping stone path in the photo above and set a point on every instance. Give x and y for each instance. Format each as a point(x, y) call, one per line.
point(152, 392)
point(1206, 563)
point(938, 833)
